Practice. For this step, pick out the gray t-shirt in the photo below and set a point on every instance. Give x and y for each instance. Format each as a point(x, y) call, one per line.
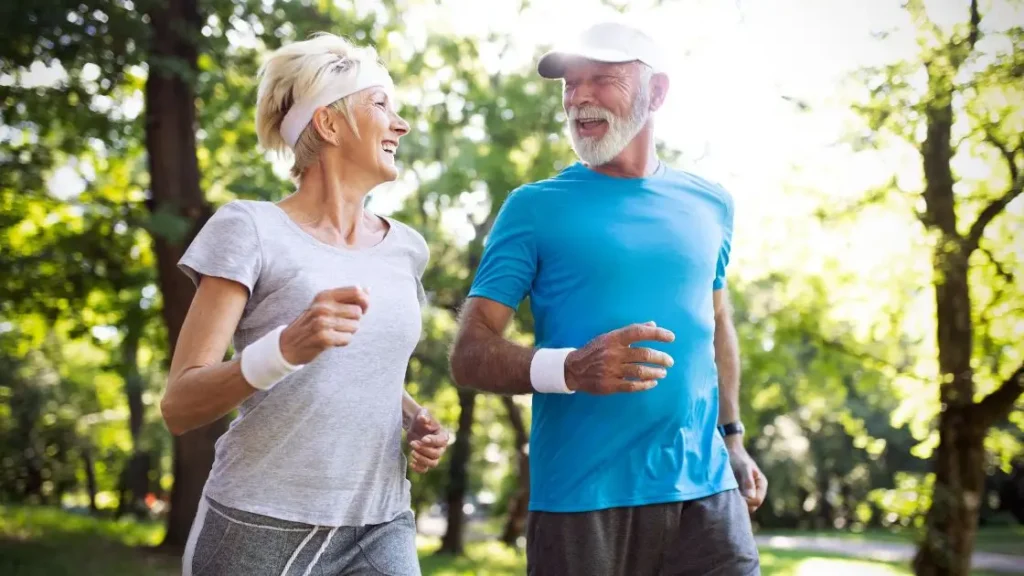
point(324, 445)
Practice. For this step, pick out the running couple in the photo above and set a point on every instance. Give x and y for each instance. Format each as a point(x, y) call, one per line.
point(637, 460)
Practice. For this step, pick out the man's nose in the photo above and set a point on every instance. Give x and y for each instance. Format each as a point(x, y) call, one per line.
point(578, 95)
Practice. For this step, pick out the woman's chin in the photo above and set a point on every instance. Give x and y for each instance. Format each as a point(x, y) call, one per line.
point(389, 173)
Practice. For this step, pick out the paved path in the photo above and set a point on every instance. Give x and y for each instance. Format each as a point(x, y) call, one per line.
point(884, 551)
point(863, 549)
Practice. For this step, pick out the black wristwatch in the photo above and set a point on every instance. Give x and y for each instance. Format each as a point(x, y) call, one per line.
point(731, 428)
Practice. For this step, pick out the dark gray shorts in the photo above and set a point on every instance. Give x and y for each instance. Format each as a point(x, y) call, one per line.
point(229, 542)
point(707, 537)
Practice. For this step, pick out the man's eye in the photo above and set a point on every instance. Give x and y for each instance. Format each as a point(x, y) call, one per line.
point(382, 105)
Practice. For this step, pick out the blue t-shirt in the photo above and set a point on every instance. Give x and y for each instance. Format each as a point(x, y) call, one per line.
point(595, 253)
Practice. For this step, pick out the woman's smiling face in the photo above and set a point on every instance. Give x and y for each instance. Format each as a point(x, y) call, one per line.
point(374, 143)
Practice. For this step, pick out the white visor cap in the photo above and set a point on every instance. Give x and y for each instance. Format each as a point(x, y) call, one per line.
point(606, 42)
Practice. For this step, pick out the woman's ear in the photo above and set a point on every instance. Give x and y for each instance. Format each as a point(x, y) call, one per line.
point(327, 125)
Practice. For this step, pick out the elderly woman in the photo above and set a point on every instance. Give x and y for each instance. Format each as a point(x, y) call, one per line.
point(321, 300)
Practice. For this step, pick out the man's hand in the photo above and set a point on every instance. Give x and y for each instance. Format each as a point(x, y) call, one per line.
point(753, 483)
point(428, 441)
point(608, 364)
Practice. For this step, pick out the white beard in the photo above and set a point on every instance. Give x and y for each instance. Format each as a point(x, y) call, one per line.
point(621, 131)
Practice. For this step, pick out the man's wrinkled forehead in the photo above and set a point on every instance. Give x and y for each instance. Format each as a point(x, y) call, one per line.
point(581, 68)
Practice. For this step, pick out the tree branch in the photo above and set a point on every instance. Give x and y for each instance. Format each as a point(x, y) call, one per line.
point(870, 358)
point(997, 206)
point(998, 404)
point(1005, 274)
point(972, 36)
point(880, 195)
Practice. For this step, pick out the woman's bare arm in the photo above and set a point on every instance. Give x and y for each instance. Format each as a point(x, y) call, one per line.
point(201, 386)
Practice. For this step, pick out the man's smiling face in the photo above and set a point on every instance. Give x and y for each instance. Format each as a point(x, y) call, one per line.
point(607, 105)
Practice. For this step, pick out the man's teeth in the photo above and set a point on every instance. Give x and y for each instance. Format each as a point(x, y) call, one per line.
point(388, 147)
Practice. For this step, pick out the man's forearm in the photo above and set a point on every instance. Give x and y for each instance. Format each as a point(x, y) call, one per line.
point(727, 358)
point(486, 361)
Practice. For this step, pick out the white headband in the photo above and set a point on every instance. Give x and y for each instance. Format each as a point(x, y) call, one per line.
point(369, 75)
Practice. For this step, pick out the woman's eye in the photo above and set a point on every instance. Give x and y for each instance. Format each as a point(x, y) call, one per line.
point(382, 105)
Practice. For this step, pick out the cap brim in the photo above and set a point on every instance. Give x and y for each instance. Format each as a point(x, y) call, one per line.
point(554, 63)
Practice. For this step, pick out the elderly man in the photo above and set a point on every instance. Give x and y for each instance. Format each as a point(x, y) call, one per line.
point(635, 373)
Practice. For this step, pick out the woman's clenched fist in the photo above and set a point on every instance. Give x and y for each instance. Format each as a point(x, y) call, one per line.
point(331, 320)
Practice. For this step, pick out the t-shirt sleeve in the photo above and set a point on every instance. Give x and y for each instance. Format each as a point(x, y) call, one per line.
point(509, 262)
point(726, 245)
point(227, 246)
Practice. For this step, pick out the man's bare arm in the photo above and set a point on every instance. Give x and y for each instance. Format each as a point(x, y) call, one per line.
point(727, 358)
point(481, 357)
point(753, 482)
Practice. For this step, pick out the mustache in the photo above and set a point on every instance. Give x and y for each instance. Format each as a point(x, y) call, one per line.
point(590, 112)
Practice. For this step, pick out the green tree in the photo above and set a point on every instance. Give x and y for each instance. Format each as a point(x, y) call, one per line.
point(969, 106)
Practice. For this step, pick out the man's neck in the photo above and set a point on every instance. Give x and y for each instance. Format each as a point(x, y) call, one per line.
point(639, 159)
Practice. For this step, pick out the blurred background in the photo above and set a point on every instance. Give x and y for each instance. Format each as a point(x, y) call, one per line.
point(874, 150)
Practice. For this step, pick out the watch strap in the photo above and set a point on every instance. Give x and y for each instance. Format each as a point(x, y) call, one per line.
point(731, 428)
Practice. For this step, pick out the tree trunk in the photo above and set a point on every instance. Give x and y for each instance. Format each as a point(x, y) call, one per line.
point(458, 481)
point(134, 479)
point(90, 478)
point(519, 503)
point(134, 485)
point(952, 520)
point(825, 516)
point(176, 197)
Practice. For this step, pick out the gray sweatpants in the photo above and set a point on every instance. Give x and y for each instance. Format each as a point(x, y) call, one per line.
point(707, 537)
point(229, 542)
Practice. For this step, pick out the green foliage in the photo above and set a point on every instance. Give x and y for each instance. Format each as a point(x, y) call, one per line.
point(820, 406)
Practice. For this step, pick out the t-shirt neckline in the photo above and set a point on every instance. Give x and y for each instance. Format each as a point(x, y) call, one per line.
point(581, 168)
point(392, 228)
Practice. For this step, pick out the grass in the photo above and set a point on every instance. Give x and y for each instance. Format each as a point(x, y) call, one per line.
point(997, 539)
point(38, 541)
point(46, 541)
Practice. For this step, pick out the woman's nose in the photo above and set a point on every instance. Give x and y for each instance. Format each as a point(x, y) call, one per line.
point(400, 126)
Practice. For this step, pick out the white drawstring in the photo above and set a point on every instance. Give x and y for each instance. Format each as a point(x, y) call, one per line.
point(299, 549)
point(320, 552)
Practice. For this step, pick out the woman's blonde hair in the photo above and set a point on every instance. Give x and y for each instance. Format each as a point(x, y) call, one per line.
point(295, 71)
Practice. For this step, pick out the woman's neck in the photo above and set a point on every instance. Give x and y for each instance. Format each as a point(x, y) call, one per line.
point(331, 207)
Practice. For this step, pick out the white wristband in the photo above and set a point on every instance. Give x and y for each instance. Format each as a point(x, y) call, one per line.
point(263, 365)
point(547, 371)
